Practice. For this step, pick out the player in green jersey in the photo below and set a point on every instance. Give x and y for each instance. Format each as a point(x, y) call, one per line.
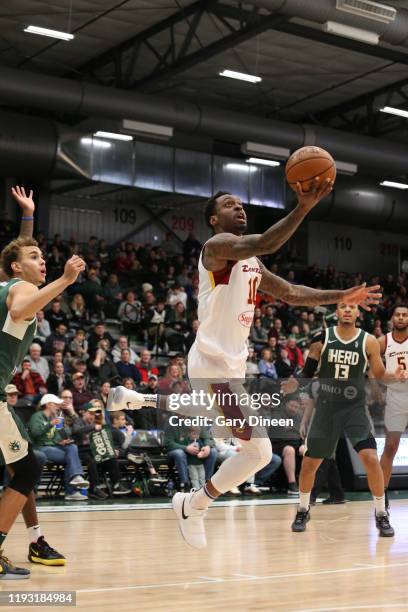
point(342, 354)
point(20, 299)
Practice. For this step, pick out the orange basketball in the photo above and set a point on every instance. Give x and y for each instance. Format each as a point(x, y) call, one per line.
point(306, 164)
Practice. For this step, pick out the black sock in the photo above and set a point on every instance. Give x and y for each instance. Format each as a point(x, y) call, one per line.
point(3, 536)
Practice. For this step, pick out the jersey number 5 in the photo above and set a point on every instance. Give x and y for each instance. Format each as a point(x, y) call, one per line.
point(253, 284)
point(401, 362)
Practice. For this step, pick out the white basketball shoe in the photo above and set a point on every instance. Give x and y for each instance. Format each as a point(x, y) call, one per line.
point(120, 398)
point(191, 520)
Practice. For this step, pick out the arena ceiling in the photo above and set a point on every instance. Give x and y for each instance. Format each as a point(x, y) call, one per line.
point(178, 47)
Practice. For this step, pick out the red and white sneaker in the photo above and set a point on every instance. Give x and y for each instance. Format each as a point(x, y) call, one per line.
point(191, 521)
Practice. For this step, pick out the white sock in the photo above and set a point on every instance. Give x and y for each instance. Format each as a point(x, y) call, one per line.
point(34, 533)
point(304, 500)
point(379, 504)
point(201, 499)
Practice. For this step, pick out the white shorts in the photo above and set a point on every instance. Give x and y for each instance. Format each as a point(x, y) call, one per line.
point(396, 412)
point(13, 446)
point(210, 377)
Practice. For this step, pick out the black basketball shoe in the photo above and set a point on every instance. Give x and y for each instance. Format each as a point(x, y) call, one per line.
point(382, 522)
point(41, 552)
point(301, 518)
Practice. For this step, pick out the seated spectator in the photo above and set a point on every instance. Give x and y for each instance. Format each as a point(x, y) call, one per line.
point(30, 384)
point(177, 314)
point(57, 445)
point(92, 421)
point(123, 343)
point(295, 355)
point(79, 314)
point(126, 369)
point(175, 295)
point(93, 292)
point(78, 347)
point(55, 263)
point(266, 365)
point(104, 393)
point(268, 318)
point(173, 375)
point(192, 334)
point(129, 383)
point(43, 327)
point(55, 315)
point(252, 369)
point(79, 365)
point(287, 443)
point(146, 367)
point(195, 462)
point(80, 394)
point(113, 295)
point(276, 331)
point(130, 314)
point(148, 418)
point(38, 364)
point(258, 335)
point(99, 333)
point(179, 446)
point(283, 365)
point(228, 447)
point(102, 368)
point(57, 340)
point(58, 379)
point(123, 434)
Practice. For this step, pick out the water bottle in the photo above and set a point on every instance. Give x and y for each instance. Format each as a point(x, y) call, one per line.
point(170, 488)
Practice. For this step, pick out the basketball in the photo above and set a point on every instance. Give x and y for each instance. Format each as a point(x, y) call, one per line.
point(305, 164)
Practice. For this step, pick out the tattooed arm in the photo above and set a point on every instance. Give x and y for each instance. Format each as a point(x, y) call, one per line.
point(223, 247)
point(300, 295)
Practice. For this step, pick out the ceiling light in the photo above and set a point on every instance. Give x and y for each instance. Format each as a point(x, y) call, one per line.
point(113, 135)
point(239, 167)
point(101, 144)
point(366, 36)
point(394, 184)
point(241, 76)
point(266, 151)
point(346, 168)
point(149, 130)
point(368, 9)
point(32, 29)
point(394, 111)
point(257, 161)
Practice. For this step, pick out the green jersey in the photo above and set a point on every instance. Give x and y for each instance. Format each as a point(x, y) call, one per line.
point(342, 367)
point(15, 338)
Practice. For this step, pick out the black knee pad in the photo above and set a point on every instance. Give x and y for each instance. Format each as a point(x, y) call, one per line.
point(364, 444)
point(26, 473)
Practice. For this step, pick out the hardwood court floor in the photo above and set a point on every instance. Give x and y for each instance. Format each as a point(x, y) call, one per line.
point(125, 560)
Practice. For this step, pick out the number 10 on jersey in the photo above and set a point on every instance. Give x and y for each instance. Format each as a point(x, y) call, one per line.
point(253, 285)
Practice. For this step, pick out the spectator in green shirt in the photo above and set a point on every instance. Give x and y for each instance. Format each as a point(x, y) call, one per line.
point(47, 431)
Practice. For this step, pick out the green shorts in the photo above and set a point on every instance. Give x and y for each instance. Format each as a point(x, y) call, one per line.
point(330, 422)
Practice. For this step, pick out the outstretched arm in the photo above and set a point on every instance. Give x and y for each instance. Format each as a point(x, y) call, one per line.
point(27, 206)
point(300, 295)
point(223, 247)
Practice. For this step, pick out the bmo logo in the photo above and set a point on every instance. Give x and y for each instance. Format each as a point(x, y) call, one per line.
point(246, 318)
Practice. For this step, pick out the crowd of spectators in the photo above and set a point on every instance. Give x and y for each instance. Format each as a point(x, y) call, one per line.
point(130, 319)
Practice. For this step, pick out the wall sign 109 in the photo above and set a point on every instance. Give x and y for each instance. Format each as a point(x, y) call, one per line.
point(125, 215)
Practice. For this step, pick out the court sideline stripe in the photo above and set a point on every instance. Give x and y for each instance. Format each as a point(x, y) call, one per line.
point(140, 587)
